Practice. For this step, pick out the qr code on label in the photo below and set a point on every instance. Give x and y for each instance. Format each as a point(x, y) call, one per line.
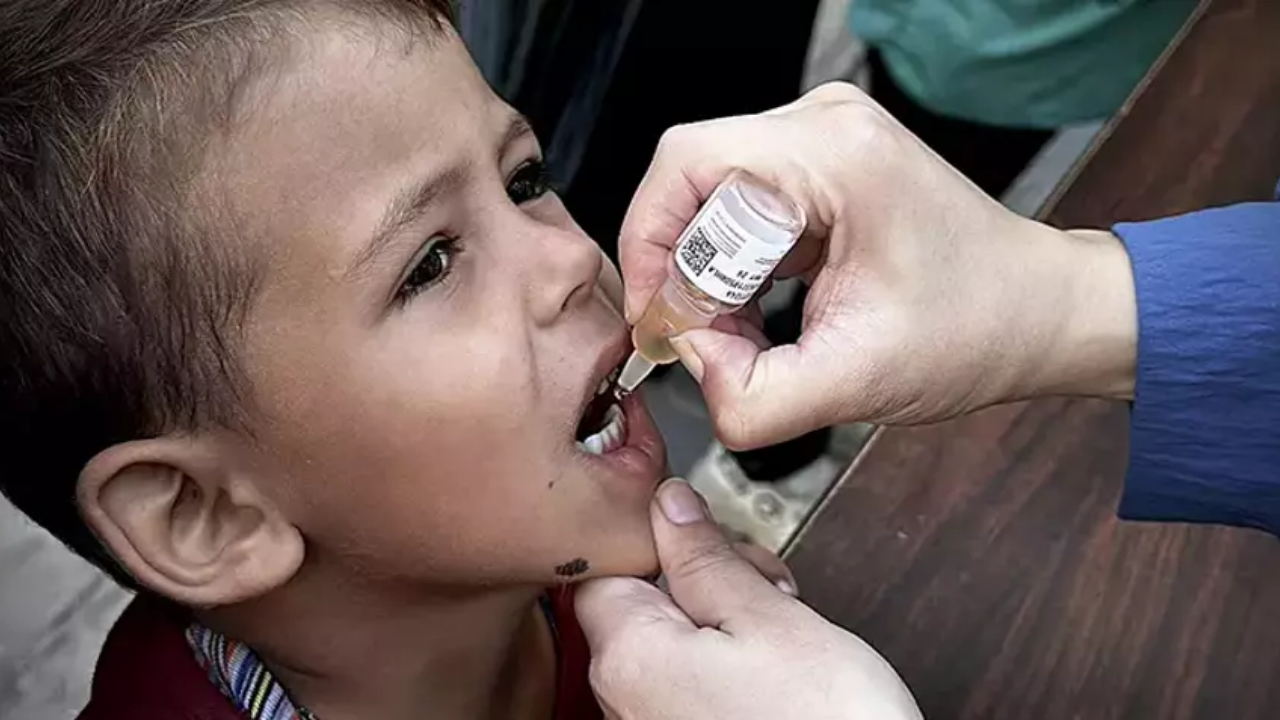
point(697, 252)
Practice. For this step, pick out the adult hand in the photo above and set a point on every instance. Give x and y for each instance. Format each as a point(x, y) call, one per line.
point(726, 643)
point(928, 298)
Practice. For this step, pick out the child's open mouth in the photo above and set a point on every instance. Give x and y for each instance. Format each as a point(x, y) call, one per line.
point(603, 427)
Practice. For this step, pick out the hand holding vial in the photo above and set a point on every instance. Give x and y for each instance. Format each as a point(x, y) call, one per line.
point(928, 298)
point(722, 258)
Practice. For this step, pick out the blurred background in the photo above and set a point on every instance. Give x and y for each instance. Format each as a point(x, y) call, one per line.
point(600, 80)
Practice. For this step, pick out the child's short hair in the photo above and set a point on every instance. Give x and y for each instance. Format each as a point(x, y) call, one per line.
point(119, 307)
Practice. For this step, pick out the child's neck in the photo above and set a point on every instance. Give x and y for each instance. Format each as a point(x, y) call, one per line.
point(369, 654)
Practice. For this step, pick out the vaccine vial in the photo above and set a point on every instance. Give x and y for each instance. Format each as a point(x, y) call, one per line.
point(720, 260)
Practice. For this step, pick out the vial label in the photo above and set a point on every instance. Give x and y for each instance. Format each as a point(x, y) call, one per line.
point(723, 259)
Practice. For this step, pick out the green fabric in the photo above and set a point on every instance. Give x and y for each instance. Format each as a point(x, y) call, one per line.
point(1019, 63)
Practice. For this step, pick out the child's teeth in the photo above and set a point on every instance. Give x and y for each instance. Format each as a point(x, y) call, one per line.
point(594, 444)
point(610, 437)
point(607, 383)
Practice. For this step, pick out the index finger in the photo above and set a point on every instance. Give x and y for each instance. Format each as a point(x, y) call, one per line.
point(679, 180)
point(606, 607)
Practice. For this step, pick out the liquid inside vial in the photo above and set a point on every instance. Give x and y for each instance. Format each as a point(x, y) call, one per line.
point(674, 310)
point(650, 337)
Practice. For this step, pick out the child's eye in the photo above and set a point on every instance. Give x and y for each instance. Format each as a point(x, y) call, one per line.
point(433, 266)
point(530, 182)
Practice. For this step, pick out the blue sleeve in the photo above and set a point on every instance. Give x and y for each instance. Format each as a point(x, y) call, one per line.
point(1205, 423)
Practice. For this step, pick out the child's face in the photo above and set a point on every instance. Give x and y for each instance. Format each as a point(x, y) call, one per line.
point(429, 326)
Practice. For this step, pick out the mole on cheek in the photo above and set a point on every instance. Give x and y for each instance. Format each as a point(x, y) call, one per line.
point(573, 568)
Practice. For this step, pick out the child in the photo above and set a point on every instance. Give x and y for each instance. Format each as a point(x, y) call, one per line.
point(295, 339)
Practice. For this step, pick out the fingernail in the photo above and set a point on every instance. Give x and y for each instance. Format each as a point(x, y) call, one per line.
point(786, 587)
point(689, 357)
point(680, 503)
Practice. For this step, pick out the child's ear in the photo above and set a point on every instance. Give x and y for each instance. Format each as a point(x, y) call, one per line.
point(185, 524)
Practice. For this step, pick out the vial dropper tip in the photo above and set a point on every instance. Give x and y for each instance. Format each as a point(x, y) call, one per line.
point(633, 373)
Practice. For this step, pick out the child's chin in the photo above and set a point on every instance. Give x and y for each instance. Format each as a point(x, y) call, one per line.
point(648, 569)
point(642, 564)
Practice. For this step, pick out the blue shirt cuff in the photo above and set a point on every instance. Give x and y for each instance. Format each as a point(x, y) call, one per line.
point(1205, 422)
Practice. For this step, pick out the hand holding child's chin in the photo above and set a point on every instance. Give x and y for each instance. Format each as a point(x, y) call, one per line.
point(723, 643)
point(634, 554)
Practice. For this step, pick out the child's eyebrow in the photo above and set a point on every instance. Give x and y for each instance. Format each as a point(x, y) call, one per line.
point(406, 208)
point(413, 201)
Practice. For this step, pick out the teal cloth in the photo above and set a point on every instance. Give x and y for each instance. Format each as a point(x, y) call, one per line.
point(1019, 63)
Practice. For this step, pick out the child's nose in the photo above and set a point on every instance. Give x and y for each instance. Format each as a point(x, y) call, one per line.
point(564, 266)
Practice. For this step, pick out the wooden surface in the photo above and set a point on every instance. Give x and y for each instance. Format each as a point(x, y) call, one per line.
point(983, 558)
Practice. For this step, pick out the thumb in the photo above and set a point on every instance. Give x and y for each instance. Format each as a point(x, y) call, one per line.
point(707, 578)
point(755, 396)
